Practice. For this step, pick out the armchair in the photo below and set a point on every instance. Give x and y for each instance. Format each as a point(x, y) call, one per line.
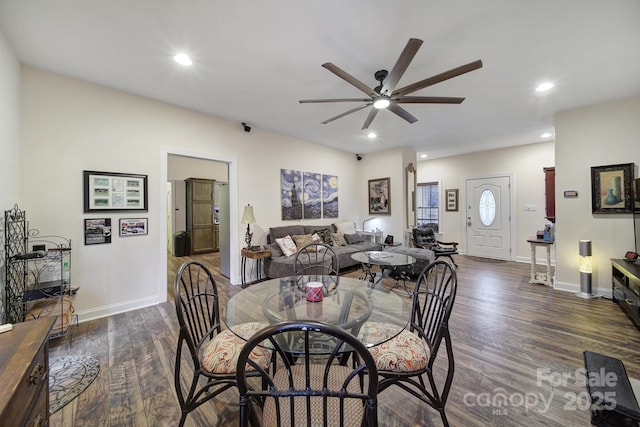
point(425, 238)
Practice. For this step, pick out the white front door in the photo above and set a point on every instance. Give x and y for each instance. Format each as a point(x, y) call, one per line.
point(488, 217)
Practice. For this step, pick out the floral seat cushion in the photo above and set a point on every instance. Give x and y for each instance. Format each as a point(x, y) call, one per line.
point(405, 352)
point(221, 354)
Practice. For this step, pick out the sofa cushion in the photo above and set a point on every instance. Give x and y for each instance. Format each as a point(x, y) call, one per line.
point(274, 249)
point(287, 246)
point(282, 231)
point(338, 239)
point(353, 238)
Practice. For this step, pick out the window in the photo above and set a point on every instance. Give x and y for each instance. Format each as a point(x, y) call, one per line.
point(487, 207)
point(428, 205)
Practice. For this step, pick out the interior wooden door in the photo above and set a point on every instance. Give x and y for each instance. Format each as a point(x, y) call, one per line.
point(200, 215)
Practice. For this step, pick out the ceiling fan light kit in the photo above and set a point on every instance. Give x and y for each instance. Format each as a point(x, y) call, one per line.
point(386, 96)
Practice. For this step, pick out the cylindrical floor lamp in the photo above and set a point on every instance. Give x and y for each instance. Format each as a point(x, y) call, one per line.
point(586, 270)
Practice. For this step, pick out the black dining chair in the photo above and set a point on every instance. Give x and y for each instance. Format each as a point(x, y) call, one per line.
point(310, 389)
point(317, 259)
point(213, 352)
point(407, 358)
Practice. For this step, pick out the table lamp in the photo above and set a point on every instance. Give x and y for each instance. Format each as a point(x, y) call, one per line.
point(248, 218)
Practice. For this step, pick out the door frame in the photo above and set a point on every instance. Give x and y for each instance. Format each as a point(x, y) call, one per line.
point(512, 208)
point(234, 221)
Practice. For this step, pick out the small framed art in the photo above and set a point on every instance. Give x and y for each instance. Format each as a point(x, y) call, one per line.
point(97, 231)
point(451, 200)
point(612, 189)
point(133, 227)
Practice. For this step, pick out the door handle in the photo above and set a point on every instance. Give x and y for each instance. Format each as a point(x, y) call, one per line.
point(468, 221)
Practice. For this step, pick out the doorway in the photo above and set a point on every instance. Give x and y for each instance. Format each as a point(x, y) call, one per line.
point(488, 207)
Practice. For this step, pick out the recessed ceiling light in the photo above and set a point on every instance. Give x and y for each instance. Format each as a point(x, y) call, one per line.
point(423, 156)
point(183, 59)
point(546, 135)
point(371, 135)
point(543, 87)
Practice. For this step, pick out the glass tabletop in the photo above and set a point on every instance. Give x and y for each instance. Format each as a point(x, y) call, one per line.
point(383, 258)
point(374, 315)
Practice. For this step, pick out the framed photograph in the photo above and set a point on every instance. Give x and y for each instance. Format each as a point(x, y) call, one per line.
point(112, 192)
point(379, 196)
point(636, 192)
point(97, 231)
point(612, 188)
point(133, 227)
point(451, 200)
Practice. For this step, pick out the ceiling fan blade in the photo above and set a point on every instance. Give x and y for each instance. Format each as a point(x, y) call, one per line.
point(401, 65)
point(353, 110)
point(428, 100)
point(395, 108)
point(370, 117)
point(348, 77)
point(438, 78)
point(308, 101)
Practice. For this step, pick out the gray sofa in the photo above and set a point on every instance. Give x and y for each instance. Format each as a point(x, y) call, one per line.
point(280, 265)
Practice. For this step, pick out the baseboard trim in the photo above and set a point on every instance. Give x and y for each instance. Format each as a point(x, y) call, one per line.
point(110, 310)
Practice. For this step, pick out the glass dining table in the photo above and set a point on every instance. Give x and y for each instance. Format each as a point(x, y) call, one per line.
point(374, 315)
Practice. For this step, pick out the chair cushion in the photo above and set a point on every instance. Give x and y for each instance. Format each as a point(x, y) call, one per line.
point(221, 354)
point(353, 408)
point(406, 352)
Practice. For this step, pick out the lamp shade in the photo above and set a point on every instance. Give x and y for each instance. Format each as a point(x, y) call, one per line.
point(584, 250)
point(247, 215)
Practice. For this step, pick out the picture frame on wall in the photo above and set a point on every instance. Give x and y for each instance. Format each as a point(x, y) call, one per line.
point(113, 192)
point(97, 231)
point(134, 227)
point(451, 200)
point(612, 189)
point(379, 196)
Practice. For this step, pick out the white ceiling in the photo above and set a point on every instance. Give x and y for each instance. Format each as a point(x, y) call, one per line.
point(254, 59)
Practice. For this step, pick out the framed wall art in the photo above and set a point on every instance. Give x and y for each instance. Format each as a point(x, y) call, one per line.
point(97, 231)
point(133, 227)
point(612, 188)
point(111, 192)
point(451, 200)
point(379, 196)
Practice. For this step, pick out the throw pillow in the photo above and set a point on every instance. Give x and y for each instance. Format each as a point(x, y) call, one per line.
point(338, 239)
point(353, 238)
point(347, 227)
point(325, 235)
point(315, 238)
point(287, 246)
point(302, 239)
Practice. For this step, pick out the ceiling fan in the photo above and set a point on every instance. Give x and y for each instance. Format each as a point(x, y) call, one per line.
point(385, 95)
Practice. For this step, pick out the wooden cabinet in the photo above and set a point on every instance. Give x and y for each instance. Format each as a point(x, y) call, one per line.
point(550, 193)
point(24, 374)
point(200, 215)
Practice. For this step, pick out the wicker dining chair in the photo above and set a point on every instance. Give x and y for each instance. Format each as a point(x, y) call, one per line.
point(405, 359)
point(315, 389)
point(213, 352)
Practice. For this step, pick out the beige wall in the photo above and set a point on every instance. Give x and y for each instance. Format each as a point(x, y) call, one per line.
point(69, 126)
point(9, 126)
point(525, 163)
point(598, 135)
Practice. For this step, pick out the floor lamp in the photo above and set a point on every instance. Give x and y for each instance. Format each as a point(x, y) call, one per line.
point(585, 264)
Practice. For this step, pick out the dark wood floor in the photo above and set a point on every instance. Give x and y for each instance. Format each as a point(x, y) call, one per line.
point(509, 338)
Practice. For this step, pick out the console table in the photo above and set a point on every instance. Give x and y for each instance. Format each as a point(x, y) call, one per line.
point(24, 373)
point(539, 277)
point(625, 283)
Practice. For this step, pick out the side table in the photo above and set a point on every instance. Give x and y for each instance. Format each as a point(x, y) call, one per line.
point(257, 256)
point(539, 277)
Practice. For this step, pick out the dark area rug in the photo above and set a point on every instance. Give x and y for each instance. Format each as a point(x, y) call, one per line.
point(68, 377)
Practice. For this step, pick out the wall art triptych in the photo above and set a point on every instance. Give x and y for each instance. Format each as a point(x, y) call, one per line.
point(308, 195)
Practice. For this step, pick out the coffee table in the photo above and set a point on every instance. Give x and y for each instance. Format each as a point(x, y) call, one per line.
point(388, 263)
